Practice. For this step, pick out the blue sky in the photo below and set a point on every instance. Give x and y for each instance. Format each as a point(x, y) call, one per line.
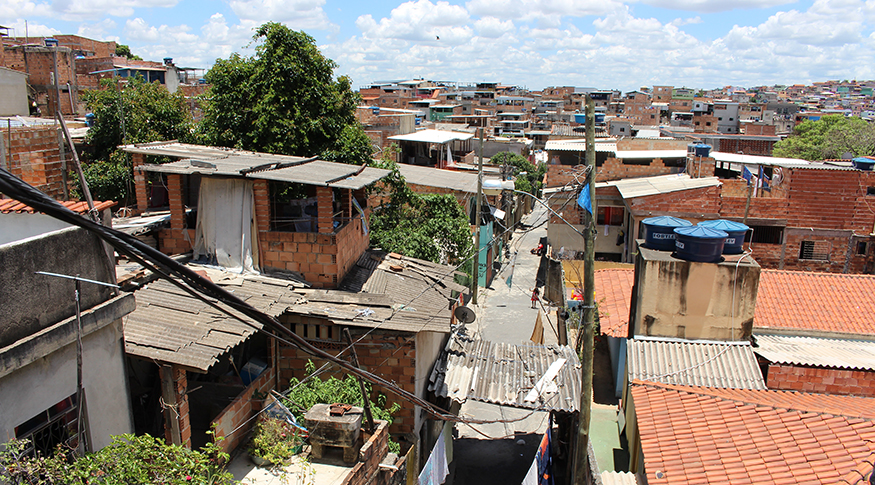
point(533, 43)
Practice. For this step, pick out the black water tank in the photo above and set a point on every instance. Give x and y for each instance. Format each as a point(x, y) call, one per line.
point(736, 231)
point(659, 231)
point(700, 244)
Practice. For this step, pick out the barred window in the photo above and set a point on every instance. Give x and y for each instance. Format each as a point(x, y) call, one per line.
point(814, 250)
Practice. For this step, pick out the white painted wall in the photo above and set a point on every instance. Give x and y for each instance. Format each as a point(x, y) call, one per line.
point(37, 386)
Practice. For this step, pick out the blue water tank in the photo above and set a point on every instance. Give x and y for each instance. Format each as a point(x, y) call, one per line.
point(580, 118)
point(735, 231)
point(863, 163)
point(659, 232)
point(89, 119)
point(699, 244)
point(50, 42)
point(699, 150)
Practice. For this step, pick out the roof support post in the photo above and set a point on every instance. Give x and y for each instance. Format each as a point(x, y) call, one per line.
point(324, 208)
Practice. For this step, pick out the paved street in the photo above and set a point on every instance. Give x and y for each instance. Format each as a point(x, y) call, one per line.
point(501, 453)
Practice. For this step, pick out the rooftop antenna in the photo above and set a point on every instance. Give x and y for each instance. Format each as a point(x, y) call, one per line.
point(80, 435)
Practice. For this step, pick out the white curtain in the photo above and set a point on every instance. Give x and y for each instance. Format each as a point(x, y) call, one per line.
point(226, 231)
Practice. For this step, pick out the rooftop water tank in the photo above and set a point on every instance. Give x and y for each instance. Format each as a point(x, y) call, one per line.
point(699, 150)
point(580, 118)
point(863, 163)
point(659, 232)
point(50, 42)
point(735, 231)
point(699, 244)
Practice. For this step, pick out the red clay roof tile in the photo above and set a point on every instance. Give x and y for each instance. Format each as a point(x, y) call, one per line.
point(8, 206)
point(827, 302)
point(776, 436)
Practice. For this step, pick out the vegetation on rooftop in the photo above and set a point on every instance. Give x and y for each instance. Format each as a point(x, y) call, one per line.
point(303, 394)
point(128, 460)
point(431, 227)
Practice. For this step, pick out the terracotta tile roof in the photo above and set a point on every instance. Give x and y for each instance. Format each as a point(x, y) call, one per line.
point(706, 435)
point(8, 206)
point(613, 292)
point(827, 302)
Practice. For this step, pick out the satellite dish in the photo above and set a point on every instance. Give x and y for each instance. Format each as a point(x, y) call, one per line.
point(464, 314)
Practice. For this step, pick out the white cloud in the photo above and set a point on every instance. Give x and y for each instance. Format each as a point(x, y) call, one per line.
point(711, 6)
point(94, 9)
point(528, 10)
point(420, 21)
point(13, 12)
point(33, 29)
point(492, 27)
point(98, 30)
point(297, 14)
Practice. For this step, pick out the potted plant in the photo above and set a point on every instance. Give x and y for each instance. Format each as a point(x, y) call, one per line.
point(275, 442)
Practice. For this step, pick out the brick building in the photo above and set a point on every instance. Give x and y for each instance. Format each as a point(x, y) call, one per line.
point(35, 156)
point(319, 234)
point(40, 63)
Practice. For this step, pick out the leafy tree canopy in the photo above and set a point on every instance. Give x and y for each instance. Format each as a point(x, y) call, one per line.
point(430, 227)
point(149, 111)
point(829, 137)
point(122, 50)
point(284, 100)
point(531, 182)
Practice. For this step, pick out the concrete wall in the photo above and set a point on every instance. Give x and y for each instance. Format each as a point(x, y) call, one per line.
point(13, 93)
point(49, 379)
point(677, 298)
point(32, 302)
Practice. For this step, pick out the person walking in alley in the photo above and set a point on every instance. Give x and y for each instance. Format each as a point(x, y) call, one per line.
point(535, 294)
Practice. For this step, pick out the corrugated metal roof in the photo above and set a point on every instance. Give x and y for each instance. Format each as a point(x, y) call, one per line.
point(821, 352)
point(436, 177)
point(618, 478)
point(414, 297)
point(662, 184)
point(504, 374)
point(8, 206)
point(171, 326)
point(206, 160)
point(691, 363)
point(433, 136)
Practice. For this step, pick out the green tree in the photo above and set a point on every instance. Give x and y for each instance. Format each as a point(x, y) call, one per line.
point(122, 50)
point(128, 111)
point(133, 111)
point(532, 181)
point(829, 137)
point(430, 227)
point(284, 100)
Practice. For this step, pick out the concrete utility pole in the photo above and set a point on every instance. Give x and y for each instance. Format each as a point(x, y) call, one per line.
point(476, 269)
point(581, 461)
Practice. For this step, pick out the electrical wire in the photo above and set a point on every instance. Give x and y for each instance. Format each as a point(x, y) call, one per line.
point(197, 286)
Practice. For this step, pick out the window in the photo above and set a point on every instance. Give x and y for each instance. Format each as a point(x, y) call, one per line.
point(707, 123)
point(611, 216)
point(57, 425)
point(870, 190)
point(814, 250)
point(623, 130)
point(765, 234)
point(862, 248)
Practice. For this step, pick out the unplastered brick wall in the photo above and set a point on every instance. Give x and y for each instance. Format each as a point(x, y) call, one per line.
point(822, 380)
point(323, 259)
point(234, 422)
point(615, 169)
point(388, 354)
point(180, 410)
point(36, 157)
point(373, 451)
point(704, 201)
point(831, 199)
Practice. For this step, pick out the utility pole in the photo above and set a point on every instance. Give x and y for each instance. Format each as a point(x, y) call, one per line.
point(581, 461)
point(476, 269)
